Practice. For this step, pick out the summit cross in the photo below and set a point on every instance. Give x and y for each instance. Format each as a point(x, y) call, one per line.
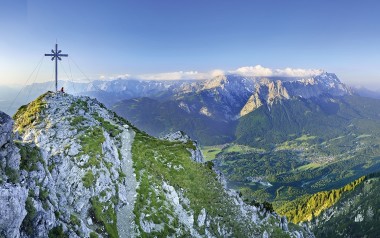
point(56, 55)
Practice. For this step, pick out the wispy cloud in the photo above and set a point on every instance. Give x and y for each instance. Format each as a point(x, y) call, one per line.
point(256, 71)
point(259, 70)
point(119, 76)
point(181, 75)
point(173, 75)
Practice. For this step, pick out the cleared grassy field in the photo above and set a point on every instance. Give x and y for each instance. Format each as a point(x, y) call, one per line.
point(308, 166)
point(241, 149)
point(210, 152)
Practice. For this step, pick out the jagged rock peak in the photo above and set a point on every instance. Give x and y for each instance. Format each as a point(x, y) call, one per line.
point(266, 92)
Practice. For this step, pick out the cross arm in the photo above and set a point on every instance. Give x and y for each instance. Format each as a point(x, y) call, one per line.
point(49, 54)
point(64, 55)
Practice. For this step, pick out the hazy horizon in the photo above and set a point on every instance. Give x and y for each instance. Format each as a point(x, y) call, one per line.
point(256, 71)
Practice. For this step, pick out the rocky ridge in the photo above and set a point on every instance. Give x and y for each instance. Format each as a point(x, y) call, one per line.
point(78, 170)
point(231, 96)
point(12, 194)
point(233, 90)
point(82, 166)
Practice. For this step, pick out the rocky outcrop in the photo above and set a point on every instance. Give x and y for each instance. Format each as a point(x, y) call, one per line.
point(196, 153)
point(177, 136)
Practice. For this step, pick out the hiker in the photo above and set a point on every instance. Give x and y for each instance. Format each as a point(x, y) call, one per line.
point(62, 90)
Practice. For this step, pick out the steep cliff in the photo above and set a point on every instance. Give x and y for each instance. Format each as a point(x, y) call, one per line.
point(12, 194)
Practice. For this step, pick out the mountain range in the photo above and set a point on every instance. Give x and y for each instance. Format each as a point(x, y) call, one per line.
point(275, 140)
point(210, 111)
point(110, 92)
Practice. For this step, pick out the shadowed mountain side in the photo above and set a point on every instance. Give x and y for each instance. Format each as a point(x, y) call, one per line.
point(325, 117)
point(159, 118)
point(356, 214)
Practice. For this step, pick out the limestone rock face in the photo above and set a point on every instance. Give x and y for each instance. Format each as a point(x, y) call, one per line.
point(12, 195)
point(12, 209)
point(276, 90)
point(218, 81)
point(269, 90)
point(9, 156)
point(6, 126)
point(253, 103)
point(265, 93)
point(284, 223)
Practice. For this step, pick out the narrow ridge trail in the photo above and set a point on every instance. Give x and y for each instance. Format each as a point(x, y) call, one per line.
point(125, 216)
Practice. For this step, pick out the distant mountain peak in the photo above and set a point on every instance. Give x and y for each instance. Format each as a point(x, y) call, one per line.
point(217, 81)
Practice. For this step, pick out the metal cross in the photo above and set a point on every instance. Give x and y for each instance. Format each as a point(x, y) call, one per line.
point(56, 55)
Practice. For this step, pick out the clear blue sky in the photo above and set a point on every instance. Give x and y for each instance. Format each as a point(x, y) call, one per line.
point(140, 37)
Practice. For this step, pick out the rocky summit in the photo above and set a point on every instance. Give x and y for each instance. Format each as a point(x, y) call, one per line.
point(69, 167)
